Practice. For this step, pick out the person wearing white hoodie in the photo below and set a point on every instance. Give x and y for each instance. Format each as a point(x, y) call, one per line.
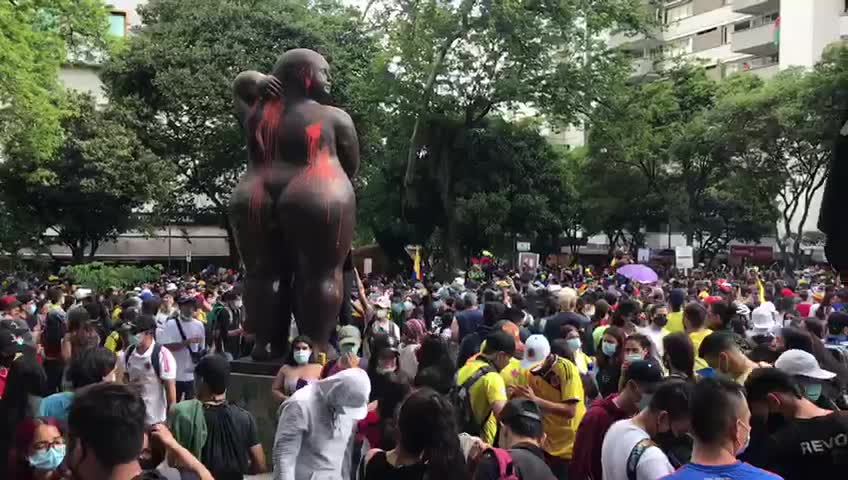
point(316, 425)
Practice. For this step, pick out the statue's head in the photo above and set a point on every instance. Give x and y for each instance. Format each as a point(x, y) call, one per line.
point(305, 71)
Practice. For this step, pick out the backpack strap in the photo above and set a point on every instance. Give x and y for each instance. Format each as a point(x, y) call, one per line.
point(635, 455)
point(130, 351)
point(154, 360)
point(484, 370)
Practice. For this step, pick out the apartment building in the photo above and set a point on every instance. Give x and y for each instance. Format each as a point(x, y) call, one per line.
point(728, 36)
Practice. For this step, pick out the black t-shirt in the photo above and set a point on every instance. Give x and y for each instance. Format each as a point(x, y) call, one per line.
point(529, 461)
point(810, 448)
point(230, 433)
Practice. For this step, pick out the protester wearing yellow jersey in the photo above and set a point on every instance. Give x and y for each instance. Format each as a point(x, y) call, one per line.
point(694, 317)
point(487, 393)
point(554, 383)
point(676, 299)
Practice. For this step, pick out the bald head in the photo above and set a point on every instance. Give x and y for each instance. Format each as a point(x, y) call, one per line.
point(303, 72)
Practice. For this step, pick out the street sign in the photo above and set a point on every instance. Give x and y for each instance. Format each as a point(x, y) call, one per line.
point(367, 266)
point(522, 246)
point(683, 257)
point(188, 256)
point(528, 259)
point(644, 255)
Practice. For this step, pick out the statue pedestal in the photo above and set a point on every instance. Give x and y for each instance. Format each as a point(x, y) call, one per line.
point(250, 388)
point(248, 366)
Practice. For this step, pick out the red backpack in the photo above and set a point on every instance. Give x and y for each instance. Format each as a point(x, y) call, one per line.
point(506, 469)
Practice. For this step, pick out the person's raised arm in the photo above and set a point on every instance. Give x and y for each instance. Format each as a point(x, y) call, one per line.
point(178, 453)
point(248, 87)
point(347, 143)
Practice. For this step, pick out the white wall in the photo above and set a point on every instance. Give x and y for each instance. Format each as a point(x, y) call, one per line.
point(697, 23)
point(806, 28)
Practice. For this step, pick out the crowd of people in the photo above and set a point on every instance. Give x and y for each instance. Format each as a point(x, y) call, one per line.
point(574, 373)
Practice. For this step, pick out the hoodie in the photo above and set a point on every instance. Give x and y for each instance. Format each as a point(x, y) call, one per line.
point(316, 425)
point(586, 459)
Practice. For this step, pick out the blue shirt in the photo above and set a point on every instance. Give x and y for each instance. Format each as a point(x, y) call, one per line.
point(736, 471)
point(56, 406)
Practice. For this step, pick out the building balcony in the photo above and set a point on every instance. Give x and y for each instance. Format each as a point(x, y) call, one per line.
point(766, 72)
point(643, 70)
point(639, 41)
point(755, 7)
point(755, 41)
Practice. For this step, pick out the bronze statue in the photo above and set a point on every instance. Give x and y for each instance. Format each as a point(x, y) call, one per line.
point(294, 209)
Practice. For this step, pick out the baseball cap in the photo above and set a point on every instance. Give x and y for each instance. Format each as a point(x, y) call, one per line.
point(513, 330)
point(520, 408)
point(143, 323)
point(762, 319)
point(171, 287)
point(9, 344)
point(500, 341)
point(536, 350)
point(82, 293)
point(214, 371)
point(787, 292)
point(799, 362)
point(187, 300)
point(644, 371)
point(350, 335)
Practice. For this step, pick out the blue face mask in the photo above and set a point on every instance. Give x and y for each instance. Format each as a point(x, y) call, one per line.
point(813, 391)
point(574, 343)
point(49, 459)
point(609, 348)
point(633, 357)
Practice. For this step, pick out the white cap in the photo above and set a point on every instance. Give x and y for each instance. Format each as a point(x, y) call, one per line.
point(762, 318)
point(536, 350)
point(82, 293)
point(171, 287)
point(799, 362)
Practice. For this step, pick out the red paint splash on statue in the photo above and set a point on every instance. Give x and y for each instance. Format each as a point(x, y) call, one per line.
point(306, 76)
point(320, 172)
point(266, 130)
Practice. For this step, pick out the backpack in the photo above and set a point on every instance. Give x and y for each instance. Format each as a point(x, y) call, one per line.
point(506, 467)
point(154, 359)
point(211, 322)
point(460, 396)
point(224, 453)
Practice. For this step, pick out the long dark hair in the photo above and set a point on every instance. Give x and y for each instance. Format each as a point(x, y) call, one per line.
point(679, 354)
point(427, 428)
point(435, 352)
point(24, 435)
point(301, 339)
point(618, 358)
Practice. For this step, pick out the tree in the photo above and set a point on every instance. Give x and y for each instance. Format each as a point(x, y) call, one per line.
point(95, 185)
point(175, 78)
point(454, 64)
point(37, 37)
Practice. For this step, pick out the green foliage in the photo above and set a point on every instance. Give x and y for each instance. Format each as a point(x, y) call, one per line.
point(92, 187)
point(37, 37)
point(99, 276)
point(175, 76)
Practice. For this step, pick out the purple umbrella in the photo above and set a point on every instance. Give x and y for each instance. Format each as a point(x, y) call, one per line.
point(638, 273)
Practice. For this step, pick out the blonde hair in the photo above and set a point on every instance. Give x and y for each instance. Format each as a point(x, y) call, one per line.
point(567, 299)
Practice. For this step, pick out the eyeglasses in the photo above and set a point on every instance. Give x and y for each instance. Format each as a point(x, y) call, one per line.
point(44, 446)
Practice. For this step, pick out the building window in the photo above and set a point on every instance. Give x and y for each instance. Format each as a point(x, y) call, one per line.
point(677, 48)
point(118, 24)
point(679, 12)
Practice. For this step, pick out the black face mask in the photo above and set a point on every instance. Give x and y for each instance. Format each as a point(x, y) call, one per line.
point(678, 448)
point(660, 320)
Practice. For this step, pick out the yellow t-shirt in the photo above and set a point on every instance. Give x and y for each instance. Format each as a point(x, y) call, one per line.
point(111, 342)
point(582, 361)
point(490, 388)
point(513, 374)
point(675, 322)
point(697, 338)
point(561, 382)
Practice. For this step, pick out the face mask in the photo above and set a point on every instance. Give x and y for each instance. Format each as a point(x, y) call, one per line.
point(31, 309)
point(744, 446)
point(49, 459)
point(381, 314)
point(237, 303)
point(645, 401)
point(660, 320)
point(633, 357)
point(301, 357)
point(813, 391)
point(574, 343)
point(385, 370)
point(609, 348)
point(136, 339)
point(349, 348)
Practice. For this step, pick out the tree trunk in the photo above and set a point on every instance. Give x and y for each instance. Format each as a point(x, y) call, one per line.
point(235, 256)
point(77, 252)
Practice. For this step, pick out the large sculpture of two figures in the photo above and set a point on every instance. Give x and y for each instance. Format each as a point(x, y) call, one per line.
point(294, 209)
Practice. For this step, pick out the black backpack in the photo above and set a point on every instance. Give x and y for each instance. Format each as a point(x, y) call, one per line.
point(154, 359)
point(460, 396)
point(224, 453)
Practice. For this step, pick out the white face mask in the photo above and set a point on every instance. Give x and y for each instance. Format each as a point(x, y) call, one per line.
point(301, 357)
point(382, 314)
point(237, 303)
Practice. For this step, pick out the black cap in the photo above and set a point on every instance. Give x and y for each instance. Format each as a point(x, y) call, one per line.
point(9, 343)
point(214, 371)
point(644, 371)
point(143, 323)
point(500, 341)
point(521, 407)
point(187, 300)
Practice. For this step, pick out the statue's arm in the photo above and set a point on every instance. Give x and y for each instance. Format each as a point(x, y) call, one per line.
point(347, 143)
point(246, 90)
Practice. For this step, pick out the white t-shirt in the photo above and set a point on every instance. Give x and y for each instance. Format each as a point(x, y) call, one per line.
point(141, 373)
point(171, 334)
point(619, 442)
point(656, 337)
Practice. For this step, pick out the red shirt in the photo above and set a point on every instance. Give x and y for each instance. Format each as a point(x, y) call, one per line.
point(804, 309)
point(586, 458)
